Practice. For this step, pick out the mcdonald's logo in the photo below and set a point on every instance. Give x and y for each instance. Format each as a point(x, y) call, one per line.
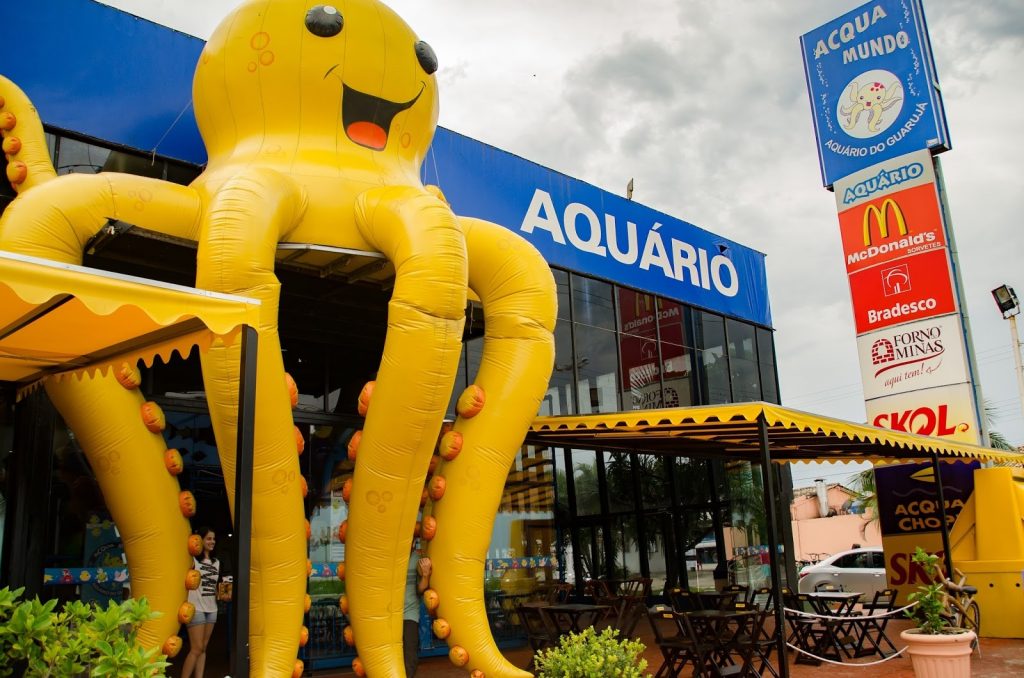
point(881, 217)
point(642, 303)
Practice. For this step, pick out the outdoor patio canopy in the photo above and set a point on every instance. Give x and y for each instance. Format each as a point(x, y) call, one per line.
point(756, 432)
point(735, 432)
point(56, 318)
point(59, 319)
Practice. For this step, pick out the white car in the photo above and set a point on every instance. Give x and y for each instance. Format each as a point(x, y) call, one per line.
point(861, 570)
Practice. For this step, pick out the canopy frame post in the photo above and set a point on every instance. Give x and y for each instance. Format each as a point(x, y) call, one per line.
point(937, 469)
point(768, 480)
point(243, 501)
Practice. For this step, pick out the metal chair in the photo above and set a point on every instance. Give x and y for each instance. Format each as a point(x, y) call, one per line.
point(871, 628)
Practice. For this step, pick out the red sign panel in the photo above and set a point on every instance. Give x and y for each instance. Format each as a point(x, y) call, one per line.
point(893, 226)
point(912, 288)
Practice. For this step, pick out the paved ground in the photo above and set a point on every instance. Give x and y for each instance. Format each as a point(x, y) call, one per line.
point(999, 659)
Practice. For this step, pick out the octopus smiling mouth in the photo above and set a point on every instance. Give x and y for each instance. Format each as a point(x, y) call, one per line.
point(367, 118)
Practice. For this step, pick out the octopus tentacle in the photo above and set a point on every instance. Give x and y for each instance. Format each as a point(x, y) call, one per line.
point(426, 314)
point(128, 462)
point(236, 255)
point(519, 299)
point(54, 217)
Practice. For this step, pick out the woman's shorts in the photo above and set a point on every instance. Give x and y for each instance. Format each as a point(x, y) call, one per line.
point(201, 618)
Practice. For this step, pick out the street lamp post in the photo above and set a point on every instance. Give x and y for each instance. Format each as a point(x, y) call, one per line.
point(1009, 306)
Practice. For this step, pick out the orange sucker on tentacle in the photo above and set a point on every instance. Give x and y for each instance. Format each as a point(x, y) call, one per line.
point(450, 445)
point(171, 647)
point(363, 406)
point(353, 445)
point(293, 390)
point(173, 461)
point(441, 628)
point(153, 417)
point(128, 376)
point(471, 402)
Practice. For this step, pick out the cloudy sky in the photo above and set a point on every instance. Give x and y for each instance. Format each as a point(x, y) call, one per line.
point(704, 104)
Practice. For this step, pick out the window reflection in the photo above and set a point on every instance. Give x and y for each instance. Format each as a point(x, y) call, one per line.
point(638, 349)
point(618, 477)
point(584, 475)
point(562, 286)
point(592, 302)
point(78, 157)
point(559, 397)
point(597, 367)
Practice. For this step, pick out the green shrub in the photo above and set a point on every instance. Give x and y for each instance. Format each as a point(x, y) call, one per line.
point(930, 598)
point(80, 640)
point(592, 655)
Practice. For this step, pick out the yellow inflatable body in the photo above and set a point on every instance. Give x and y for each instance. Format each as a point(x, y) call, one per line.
point(316, 119)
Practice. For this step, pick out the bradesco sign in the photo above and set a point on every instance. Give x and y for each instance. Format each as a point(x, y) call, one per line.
point(874, 94)
point(911, 288)
point(889, 211)
point(582, 228)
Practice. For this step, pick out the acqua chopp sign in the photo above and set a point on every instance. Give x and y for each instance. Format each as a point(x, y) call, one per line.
point(873, 88)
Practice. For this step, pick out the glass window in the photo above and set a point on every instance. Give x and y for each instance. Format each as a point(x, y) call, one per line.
point(713, 360)
point(562, 285)
point(638, 350)
point(766, 365)
point(78, 157)
point(746, 383)
point(741, 340)
point(677, 375)
point(559, 397)
point(714, 368)
point(659, 543)
point(625, 547)
point(592, 302)
point(584, 474)
point(691, 479)
point(618, 477)
point(597, 369)
point(673, 323)
point(654, 478)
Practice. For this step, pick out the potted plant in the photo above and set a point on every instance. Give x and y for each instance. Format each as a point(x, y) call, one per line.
point(589, 654)
point(80, 640)
point(936, 649)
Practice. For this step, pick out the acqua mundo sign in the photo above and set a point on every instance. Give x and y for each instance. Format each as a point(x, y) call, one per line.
point(874, 92)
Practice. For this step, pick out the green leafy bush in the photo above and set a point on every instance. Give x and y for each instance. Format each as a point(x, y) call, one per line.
point(930, 598)
point(80, 640)
point(592, 655)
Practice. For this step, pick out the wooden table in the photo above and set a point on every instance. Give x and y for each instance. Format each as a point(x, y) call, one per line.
point(573, 613)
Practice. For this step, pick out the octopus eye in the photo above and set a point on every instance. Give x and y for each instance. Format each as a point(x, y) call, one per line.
point(324, 21)
point(425, 55)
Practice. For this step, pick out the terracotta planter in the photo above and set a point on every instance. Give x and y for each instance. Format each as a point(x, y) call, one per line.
point(939, 656)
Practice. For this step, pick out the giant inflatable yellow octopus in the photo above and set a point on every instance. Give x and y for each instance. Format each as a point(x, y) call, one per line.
point(316, 119)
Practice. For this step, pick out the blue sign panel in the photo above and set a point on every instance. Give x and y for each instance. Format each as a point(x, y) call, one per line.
point(582, 228)
point(874, 93)
point(112, 76)
point(97, 71)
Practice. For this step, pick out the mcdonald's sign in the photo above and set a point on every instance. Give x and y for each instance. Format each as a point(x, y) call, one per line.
point(880, 217)
point(891, 226)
